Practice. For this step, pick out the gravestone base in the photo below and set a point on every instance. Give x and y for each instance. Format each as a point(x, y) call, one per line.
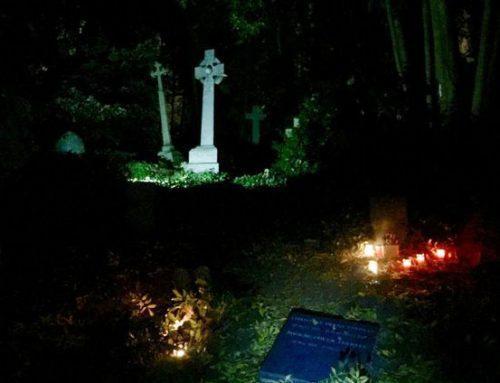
point(167, 153)
point(202, 159)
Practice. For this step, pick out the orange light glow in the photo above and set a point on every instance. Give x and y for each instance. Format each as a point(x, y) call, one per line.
point(379, 251)
point(407, 263)
point(179, 352)
point(420, 258)
point(373, 267)
point(441, 253)
point(369, 250)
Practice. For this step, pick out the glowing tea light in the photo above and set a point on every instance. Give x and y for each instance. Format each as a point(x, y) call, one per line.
point(373, 267)
point(441, 253)
point(179, 353)
point(407, 263)
point(369, 250)
point(420, 258)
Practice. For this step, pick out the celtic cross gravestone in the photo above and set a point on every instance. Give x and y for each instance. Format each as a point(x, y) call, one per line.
point(203, 158)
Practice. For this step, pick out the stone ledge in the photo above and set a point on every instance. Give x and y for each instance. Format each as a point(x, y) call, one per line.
point(201, 167)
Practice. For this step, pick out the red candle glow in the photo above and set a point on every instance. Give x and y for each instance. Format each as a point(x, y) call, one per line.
point(441, 253)
point(407, 263)
point(420, 258)
point(379, 251)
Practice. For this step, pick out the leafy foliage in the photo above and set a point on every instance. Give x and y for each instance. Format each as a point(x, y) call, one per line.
point(161, 175)
point(298, 153)
point(268, 178)
point(186, 325)
point(142, 304)
point(246, 18)
point(112, 102)
point(346, 374)
point(84, 109)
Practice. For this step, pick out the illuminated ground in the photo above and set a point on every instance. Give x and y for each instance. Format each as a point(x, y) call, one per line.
point(267, 250)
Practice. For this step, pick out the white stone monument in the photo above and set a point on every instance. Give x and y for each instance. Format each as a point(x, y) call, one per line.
point(203, 158)
point(167, 149)
point(256, 117)
point(70, 143)
point(289, 132)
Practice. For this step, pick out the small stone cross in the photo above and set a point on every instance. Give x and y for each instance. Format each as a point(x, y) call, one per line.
point(256, 117)
point(158, 73)
point(167, 148)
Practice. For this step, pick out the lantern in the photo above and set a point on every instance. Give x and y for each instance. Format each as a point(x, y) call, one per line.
point(179, 352)
point(441, 253)
point(421, 258)
point(407, 263)
point(373, 267)
point(369, 250)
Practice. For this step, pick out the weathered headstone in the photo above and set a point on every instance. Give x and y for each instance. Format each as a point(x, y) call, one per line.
point(256, 116)
point(167, 149)
point(70, 143)
point(310, 344)
point(289, 132)
point(389, 218)
point(296, 122)
point(203, 158)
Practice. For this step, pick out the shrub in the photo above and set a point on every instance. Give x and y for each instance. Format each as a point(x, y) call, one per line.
point(140, 171)
point(297, 153)
point(345, 374)
point(186, 325)
point(268, 178)
point(155, 173)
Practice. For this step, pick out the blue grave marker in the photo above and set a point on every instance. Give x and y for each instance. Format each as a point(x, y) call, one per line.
point(311, 343)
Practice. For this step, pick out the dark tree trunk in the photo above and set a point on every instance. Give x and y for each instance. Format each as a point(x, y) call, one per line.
point(398, 41)
point(485, 50)
point(445, 55)
point(428, 60)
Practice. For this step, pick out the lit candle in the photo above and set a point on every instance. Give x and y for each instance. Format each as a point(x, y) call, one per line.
point(441, 253)
point(369, 250)
point(179, 353)
point(373, 267)
point(407, 263)
point(379, 251)
point(420, 258)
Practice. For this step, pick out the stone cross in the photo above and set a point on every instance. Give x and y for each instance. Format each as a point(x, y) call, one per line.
point(256, 117)
point(204, 157)
point(167, 148)
point(209, 72)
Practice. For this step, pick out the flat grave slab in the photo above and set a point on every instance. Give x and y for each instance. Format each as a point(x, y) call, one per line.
point(311, 343)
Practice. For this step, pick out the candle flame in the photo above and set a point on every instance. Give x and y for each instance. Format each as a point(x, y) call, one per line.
point(369, 250)
point(179, 353)
point(373, 267)
point(441, 253)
